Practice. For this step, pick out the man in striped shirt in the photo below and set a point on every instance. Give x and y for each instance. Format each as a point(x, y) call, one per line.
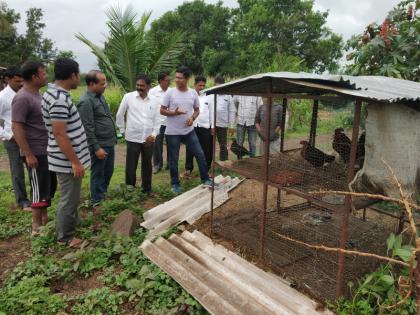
point(68, 153)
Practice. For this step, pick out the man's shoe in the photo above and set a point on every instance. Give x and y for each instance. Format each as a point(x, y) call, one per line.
point(176, 189)
point(156, 170)
point(26, 206)
point(187, 174)
point(208, 183)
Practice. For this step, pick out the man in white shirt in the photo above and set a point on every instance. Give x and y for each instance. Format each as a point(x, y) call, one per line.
point(140, 130)
point(225, 118)
point(159, 92)
point(181, 106)
point(14, 83)
point(202, 128)
point(247, 109)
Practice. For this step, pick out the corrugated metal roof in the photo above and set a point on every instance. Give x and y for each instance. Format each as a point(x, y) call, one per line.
point(377, 88)
point(223, 282)
point(187, 207)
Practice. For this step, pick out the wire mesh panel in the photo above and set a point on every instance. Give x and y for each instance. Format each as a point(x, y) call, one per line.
point(298, 230)
point(313, 271)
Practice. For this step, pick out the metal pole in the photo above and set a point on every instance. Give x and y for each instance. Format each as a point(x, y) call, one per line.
point(213, 164)
point(266, 159)
point(312, 133)
point(344, 230)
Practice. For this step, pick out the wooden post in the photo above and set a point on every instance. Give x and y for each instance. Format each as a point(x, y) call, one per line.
point(213, 171)
point(314, 120)
point(344, 228)
point(283, 124)
point(266, 161)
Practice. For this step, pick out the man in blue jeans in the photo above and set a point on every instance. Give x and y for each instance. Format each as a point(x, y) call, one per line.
point(101, 134)
point(181, 106)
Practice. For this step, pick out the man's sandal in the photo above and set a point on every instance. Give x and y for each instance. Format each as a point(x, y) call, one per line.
point(74, 243)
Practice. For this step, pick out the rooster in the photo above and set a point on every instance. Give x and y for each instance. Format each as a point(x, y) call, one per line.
point(342, 144)
point(237, 149)
point(315, 156)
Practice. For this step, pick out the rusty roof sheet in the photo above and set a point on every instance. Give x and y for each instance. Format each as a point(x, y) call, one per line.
point(223, 282)
point(375, 88)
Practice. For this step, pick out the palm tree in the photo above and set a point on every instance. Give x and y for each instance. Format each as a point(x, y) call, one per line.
point(130, 50)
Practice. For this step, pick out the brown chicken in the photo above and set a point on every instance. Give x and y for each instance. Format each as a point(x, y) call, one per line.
point(342, 144)
point(315, 156)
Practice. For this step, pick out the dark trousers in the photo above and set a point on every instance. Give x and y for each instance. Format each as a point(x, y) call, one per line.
point(43, 183)
point(206, 141)
point(67, 216)
point(192, 143)
point(221, 134)
point(158, 149)
point(17, 173)
point(101, 174)
point(134, 150)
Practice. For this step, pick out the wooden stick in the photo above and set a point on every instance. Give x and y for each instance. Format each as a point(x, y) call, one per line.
point(341, 250)
point(355, 194)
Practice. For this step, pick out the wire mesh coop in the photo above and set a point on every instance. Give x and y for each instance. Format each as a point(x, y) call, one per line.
point(288, 209)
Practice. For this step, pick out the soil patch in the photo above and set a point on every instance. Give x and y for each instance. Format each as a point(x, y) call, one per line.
point(78, 286)
point(12, 251)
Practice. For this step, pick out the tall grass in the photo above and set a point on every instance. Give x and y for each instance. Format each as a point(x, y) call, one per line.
point(112, 94)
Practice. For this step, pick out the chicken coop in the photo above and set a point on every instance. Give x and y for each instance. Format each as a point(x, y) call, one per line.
point(288, 208)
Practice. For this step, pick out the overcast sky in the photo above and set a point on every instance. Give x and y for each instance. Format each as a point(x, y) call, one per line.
point(64, 18)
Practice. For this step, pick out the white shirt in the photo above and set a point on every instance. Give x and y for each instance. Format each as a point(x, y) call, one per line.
point(203, 120)
point(6, 97)
point(142, 117)
point(225, 111)
point(158, 93)
point(247, 108)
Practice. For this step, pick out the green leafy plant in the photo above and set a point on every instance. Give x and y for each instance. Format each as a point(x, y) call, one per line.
point(99, 301)
point(378, 292)
point(129, 50)
point(30, 296)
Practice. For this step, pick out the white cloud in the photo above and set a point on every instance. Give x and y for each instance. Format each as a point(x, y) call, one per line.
point(64, 18)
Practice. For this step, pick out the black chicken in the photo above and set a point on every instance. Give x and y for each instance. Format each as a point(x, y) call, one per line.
point(315, 156)
point(342, 144)
point(237, 149)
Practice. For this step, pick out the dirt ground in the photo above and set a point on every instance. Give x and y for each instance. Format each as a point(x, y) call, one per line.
point(12, 251)
point(237, 227)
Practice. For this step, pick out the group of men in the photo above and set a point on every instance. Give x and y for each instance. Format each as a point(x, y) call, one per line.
point(57, 140)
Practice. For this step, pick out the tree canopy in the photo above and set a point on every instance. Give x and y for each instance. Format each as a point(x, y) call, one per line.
point(251, 37)
point(391, 48)
point(16, 48)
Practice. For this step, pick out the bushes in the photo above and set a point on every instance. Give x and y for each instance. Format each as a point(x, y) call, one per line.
point(112, 94)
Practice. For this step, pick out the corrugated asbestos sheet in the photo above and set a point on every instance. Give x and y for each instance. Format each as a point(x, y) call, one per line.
point(187, 207)
point(223, 282)
point(376, 88)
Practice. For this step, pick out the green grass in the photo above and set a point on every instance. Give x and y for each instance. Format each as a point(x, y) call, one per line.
point(128, 281)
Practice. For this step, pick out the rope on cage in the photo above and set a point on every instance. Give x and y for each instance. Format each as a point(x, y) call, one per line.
point(416, 252)
point(371, 196)
point(345, 251)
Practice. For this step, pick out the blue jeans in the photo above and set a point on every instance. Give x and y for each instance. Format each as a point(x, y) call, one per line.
point(252, 137)
point(193, 145)
point(101, 173)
